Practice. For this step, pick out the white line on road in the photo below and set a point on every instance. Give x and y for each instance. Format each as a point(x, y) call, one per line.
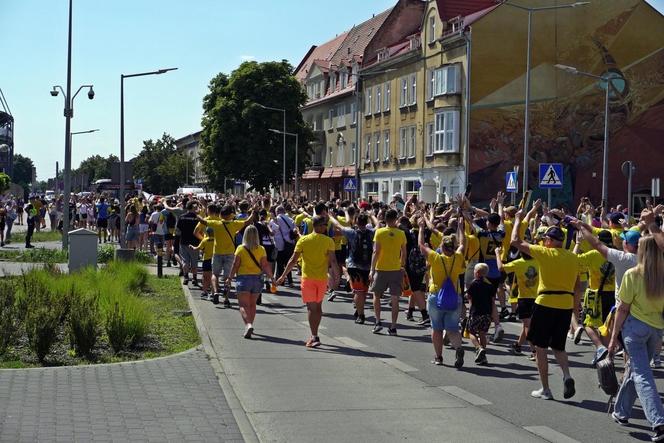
point(398, 364)
point(270, 298)
point(549, 434)
point(306, 323)
point(465, 395)
point(350, 342)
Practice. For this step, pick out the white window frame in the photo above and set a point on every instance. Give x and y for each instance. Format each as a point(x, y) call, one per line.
point(387, 97)
point(409, 186)
point(444, 83)
point(344, 79)
point(386, 146)
point(371, 187)
point(403, 142)
point(353, 152)
point(367, 147)
point(333, 82)
point(378, 94)
point(367, 101)
point(376, 147)
point(431, 139)
point(341, 115)
point(430, 83)
point(330, 156)
point(446, 131)
point(353, 112)
point(412, 141)
point(341, 154)
point(432, 29)
point(403, 95)
point(412, 89)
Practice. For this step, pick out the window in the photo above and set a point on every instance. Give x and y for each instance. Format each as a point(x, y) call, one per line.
point(341, 154)
point(353, 152)
point(430, 83)
point(388, 97)
point(329, 156)
point(447, 131)
point(330, 115)
point(378, 95)
point(386, 146)
point(455, 187)
point(367, 103)
point(446, 80)
point(371, 188)
point(432, 29)
point(403, 99)
point(376, 146)
point(341, 116)
point(413, 89)
point(367, 149)
point(344, 79)
point(409, 186)
point(333, 82)
point(430, 139)
point(412, 141)
point(403, 140)
point(353, 113)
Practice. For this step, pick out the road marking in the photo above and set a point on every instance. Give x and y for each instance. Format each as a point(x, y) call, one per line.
point(306, 323)
point(465, 395)
point(270, 298)
point(549, 434)
point(398, 364)
point(350, 342)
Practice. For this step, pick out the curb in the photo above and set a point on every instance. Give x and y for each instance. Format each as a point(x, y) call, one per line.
point(244, 424)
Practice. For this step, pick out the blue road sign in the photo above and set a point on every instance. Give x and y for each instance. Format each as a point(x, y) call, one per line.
point(511, 181)
point(551, 175)
point(350, 184)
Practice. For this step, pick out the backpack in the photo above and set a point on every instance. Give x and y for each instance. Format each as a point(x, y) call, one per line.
point(447, 298)
point(417, 263)
point(606, 376)
point(362, 247)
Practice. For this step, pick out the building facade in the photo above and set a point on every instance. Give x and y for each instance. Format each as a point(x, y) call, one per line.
point(190, 145)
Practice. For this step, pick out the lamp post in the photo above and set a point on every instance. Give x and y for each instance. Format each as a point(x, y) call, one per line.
point(608, 78)
point(283, 190)
point(69, 114)
point(526, 120)
point(297, 144)
point(122, 165)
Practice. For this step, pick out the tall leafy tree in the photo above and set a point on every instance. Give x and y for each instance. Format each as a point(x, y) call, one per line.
point(236, 141)
point(161, 166)
point(97, 167)
point(22, 173)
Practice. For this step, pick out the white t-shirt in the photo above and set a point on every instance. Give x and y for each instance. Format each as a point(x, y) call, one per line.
point(622, 261)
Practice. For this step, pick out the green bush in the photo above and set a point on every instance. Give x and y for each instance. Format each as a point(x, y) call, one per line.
point(84, 327)
point(105, 254)
point(130, 275)
point(11, 314)
point(116, 328)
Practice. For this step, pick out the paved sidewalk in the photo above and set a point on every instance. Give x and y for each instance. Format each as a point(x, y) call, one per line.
point(175, 398)
point(337, 393)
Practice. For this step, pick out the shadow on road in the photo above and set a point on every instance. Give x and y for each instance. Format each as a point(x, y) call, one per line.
point(324, 348)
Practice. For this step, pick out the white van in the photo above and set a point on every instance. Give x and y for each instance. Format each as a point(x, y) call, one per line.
point(190, 191)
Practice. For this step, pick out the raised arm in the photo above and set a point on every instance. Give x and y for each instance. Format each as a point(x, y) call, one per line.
point(291, 264)
point(587, 232)
point(517, 242)
point(424, 248)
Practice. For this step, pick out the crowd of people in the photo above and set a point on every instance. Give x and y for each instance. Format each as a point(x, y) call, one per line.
point(561, 272)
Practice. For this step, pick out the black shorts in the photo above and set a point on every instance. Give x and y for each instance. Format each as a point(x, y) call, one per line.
point(608, 300)
point(207, 265)
point(359, 279)
point(416, 281)
point(479, 324)
point(549, 327)
point(102, 222)
point(525, 308)
point(342, 255)
point(176, 244)
point(169, 236)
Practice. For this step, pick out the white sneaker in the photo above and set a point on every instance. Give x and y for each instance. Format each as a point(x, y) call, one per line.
point(544, 394)
point(498, 334)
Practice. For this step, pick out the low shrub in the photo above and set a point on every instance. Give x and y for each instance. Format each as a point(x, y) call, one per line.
point(105, 254)
point(116, 328)
point(11, 314)
point(84, 327)
point(130, 275)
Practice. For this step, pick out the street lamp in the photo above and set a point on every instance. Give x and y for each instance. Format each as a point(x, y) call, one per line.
point(297, 143)
point(526, 120)
point(122, 168)
point(284, 134)
point(608, 78)
point(69, 113)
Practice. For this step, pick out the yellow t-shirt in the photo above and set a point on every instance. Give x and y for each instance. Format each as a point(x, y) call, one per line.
point(455, 265)
point(299, 218)
point(632, 291)
point(314, 249)
point(558, 270)
point(509, 227)
point(340, 239)
point(527, 276)
point(615, 233)
point(596, 266)
point(200, 227)
point(390, 240)
point(224, 235)
point(472, 247)
point(247, 265)
point(207, 247)
point(436, 239)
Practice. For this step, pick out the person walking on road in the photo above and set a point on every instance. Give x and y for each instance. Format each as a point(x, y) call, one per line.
point(189, 257)
point(102, 220)
point(284, 232)
point(317, 251)
point(32, 219)
point(388, 268)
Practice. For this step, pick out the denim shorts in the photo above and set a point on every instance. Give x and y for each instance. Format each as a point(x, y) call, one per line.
point(249, 283)
point(443, 320)
point(222, 264)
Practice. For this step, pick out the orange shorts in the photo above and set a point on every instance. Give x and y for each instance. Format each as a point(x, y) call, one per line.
point(313, 290)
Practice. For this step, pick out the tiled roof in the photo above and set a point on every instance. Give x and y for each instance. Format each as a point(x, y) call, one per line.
point(448, 9)
point(322, 52)
point(358, 38)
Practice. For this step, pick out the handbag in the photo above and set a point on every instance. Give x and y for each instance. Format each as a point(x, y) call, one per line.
point(592, 300)
point(447, 298)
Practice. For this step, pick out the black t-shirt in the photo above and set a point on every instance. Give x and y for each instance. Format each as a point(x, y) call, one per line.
point(186, 224)
point(481, 294)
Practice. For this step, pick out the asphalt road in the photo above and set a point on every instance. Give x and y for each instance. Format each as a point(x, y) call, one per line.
point(503, 387)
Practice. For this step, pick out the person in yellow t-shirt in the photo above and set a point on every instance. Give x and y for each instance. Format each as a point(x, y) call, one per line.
point(249, 263)
point(639, 318)
point(451, 264)
point(206, 246)
point(317, 252)
point(556, 301)
point(387, 268)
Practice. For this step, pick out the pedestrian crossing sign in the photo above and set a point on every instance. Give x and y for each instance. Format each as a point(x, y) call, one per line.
point(551, 175)
point(511, 181)
point(350, 184)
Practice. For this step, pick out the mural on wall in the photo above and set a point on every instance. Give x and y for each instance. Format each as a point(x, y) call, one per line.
point(567, 112)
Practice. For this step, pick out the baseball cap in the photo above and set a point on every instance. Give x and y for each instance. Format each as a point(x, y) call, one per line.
point(631, 237)
point(555, 233)
point(616, 217)
point(605, 237)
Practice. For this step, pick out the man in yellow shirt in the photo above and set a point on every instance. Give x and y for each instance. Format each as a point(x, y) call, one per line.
point(556, 301)
point(317, 252)
point(388, 268)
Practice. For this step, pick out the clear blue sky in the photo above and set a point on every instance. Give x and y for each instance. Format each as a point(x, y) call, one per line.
point(200, 37)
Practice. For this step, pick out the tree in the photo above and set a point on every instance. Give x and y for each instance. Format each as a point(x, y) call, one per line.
point(4, 182)
point(97, 167)
point(236, 141)
point(22, 173)
point(161, 166)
